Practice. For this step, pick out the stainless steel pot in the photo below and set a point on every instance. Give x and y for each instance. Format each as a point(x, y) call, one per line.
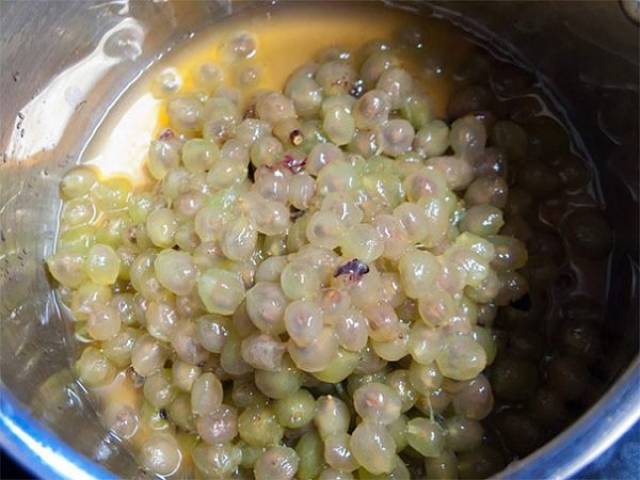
point(63, 64)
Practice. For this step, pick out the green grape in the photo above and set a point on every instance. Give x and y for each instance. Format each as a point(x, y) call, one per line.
point(398, 430)
point(78, 240)
point(332, 416)
point(432, 139)
point(316, 356)
point(103, 323)
point(102, 265)
point(372, 109)
point(263, 352)
point(336, 77)
point(399, 381)
point(161, 320)
point(231, 359)
point(266, 304)
point(483, 220)
point(199, 155)
point(78, 181)
point(219, 426)
point(212, 332)
point(351, 329)
point(161, 454)
point(94, 369)
point(179, 412)
point(305, 93)
point(373, 447)
point(393, 350)
point(342, 365)
point(217, 461)
point(418, 111)
point(461, 358)
point(185, 113)
point(468, 137)
point(220, 291)
point(266, 151)
point(121, 419)
point(397, 84)
point(161, 227)
point(112, 193)
point(67, 268)
point(119, 347)
point(321, 155)
point(148, 355)
point(184, 374)
point(276, 463)
point(158, 388)
point(424, 378)
point(88, 298)
point(273, 107)
point(77, 211)
point(418, 270)
point(337, 453)
point(463, 434)
point(206, 394)
point(113, 229)
point(375, 65)
point(339, 125)
point(395, 137)
point(384, 325)
point(324, 230)
point(426, 436)
point(239, 239)
point(296, 410)
point(310, 452)
point(303, 320)
point(281, 383)
point(377, 402)
point(258, 426)
point(362, 242)
point(175, 271)
point(299, 280)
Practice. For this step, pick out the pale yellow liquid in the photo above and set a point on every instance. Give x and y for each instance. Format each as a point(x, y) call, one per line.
point(286, 39)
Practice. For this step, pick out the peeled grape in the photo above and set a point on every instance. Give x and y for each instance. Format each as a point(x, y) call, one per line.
point(216, 461)
point(78, 181)
point(377, 402)
point(317, 355)
point(295, 410)
point(221, 291)
point(276, 463)
point(102, 264)
point(299, 280)
point(206, 394)
point(332, 416)
point(161, 454)
point(219, 426)
point(263, 352)
point(373, 447)
point(258, 426)
point(175, 271)
point(337, 452)
point(426, 436)
point(266, 304)
point(280, 383)
point(303, 320)
point(94, 369)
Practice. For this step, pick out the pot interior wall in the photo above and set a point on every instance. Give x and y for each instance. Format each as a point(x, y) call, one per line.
point(588, 52)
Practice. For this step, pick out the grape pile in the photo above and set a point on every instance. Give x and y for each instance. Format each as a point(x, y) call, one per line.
point(306, 290)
